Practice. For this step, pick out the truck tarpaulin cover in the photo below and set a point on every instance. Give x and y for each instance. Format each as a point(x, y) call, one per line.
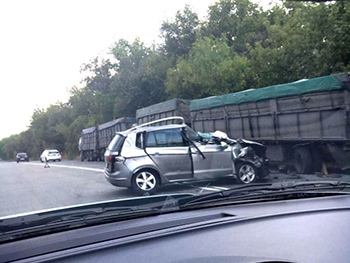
point(300, 87)
point(169, 105)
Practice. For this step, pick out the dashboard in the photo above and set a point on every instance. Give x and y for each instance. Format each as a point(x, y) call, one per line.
point(302, 230)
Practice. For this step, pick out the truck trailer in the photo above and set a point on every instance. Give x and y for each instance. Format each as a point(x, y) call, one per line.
point(169, 108)
point(305, 123)
point(94, 140)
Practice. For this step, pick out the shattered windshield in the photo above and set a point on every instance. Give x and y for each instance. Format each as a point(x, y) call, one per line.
point(260, 92)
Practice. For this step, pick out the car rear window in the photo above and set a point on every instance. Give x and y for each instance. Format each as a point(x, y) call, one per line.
point(116, 144)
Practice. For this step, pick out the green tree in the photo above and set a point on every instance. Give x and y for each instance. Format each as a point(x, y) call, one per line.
point(73, 134)
point(212, 68)
point(180, 34)
point(240, 22)
point(98, 77)
point(48, 126)
point(304, 41)
point(335, 45)
point(9, 147)
point(139, 80)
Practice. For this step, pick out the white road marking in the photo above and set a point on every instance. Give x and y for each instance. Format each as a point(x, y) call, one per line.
point(66, 166)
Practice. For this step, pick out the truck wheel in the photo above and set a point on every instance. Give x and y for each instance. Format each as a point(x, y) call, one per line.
point(246, 173)
point(303, 160)
point(145, 181)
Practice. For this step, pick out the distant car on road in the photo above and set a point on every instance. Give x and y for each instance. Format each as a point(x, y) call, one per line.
point(22, 157)
point(50, 155)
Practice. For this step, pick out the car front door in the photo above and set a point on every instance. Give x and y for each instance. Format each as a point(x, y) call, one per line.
point(170, 153)
point(217, 161)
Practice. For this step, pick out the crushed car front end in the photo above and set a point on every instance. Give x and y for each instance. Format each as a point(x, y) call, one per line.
point(251, 152)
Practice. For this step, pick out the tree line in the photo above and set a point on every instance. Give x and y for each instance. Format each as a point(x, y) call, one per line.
point(237, 46)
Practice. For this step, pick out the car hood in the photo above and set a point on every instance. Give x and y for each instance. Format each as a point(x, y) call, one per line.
point(34, 223)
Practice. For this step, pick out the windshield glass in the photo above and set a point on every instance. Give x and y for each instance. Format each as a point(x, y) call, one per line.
point(262, 89)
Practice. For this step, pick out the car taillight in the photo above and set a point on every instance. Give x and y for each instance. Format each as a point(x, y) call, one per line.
point(113, 159)
point(110, 158)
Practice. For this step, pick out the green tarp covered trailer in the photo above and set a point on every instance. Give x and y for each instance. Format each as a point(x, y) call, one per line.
point(297, 121)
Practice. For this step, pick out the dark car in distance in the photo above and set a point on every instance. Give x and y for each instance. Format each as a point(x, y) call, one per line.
point(22, 156)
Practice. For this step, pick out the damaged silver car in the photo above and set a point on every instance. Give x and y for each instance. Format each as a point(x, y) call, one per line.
point(146, 157)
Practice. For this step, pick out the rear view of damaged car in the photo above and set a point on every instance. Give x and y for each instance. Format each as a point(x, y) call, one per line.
point(145, 157)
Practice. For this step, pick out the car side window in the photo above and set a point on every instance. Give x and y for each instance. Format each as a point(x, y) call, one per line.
point(174, 138)
point(140, 140)
point(165, 138)
point(151, 140)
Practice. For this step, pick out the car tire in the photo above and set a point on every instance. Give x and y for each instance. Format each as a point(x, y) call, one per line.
point(246, 173)
point(145, 182)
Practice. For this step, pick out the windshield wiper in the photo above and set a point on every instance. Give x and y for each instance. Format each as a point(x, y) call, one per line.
point(268, 191)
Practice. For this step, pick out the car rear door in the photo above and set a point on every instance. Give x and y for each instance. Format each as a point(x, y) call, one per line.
point(170, 153)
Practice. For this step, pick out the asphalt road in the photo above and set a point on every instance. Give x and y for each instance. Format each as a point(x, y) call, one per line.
point(26, 187)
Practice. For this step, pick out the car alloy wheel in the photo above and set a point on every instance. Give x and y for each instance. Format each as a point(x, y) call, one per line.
point(145, 181)
point(246, 173)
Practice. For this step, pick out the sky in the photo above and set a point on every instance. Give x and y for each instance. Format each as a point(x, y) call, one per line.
point(44, 43)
